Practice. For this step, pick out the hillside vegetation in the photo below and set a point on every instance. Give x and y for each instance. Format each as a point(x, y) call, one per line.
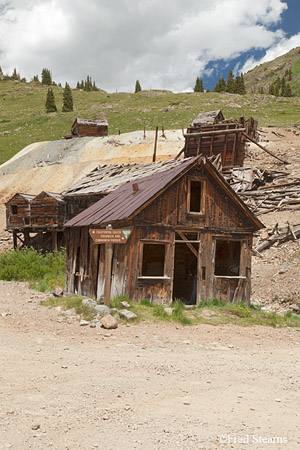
point(266, 74)
point(23, 119)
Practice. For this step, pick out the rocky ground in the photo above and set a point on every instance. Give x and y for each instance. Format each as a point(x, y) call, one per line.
point(142, 386)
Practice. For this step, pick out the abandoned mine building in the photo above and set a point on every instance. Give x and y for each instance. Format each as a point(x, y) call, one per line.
point(211, 134)
point(88, 127)
point(189, 237)
point(36, 220)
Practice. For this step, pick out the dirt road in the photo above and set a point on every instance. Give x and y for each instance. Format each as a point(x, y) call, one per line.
point(144, 386)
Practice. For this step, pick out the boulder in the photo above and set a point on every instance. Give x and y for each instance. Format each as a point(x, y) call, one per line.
point(125, 304)
point(89, 302)
point(109, 322)
point(128, 315)
point(102, 310)
point(58, 291)
point(84, 323)
point(169, 311)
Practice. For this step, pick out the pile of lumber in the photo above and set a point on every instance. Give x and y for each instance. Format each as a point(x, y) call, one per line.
point(277, 234)
point(265, 191)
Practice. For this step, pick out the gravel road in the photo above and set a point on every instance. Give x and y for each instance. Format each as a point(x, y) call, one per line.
point(144, 386)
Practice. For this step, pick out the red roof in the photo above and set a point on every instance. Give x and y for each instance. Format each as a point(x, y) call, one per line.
point(128, 198)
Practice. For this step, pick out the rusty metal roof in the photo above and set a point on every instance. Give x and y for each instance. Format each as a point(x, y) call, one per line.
point(128, 198)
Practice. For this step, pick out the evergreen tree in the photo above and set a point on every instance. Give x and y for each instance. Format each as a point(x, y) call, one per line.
point(15, 75)
point(217, 87)
point(138, 87)
point(78, 85)
point(230, 86)
point(46, 77)
point(50, 102)
point(201, 85)
point(283, 87)
point(238, 85)
point(67, 99)
point(243, 87)
point(207, 90)
point(288, 91)
point(290, 74)
point(36, 78)
point(197, 87)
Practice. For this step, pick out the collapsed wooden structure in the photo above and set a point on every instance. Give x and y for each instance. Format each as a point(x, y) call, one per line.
point(210, 134)
point(191, 238)
point(88, 127)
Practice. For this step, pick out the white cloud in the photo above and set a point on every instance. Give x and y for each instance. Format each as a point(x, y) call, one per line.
point(163, 44)
point(280, 48)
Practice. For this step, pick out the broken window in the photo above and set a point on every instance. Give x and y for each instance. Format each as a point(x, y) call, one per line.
point(14, 209)
point(227, 258)
point(153, 264)
point(195, 196)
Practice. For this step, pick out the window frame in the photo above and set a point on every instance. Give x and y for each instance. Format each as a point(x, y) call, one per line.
point(141, 252)
point(202, 197)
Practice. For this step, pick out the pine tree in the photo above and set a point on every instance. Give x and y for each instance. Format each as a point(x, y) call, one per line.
point(78, 85)
point(238, 85)
point(290, 74)
point(288, 91)
point(138, 87)
point(46, 77)
point(283, 87)
point(50, 102)
point(36, 78)
point(67, 99)
point(243, 87)
point(217, 87)
point(15, 75)
point(197, 87)
point(230, 87)
point(201, 85)
point(207, 90)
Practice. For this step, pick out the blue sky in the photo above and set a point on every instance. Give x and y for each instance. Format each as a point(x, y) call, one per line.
point(165, 45)
point(289, 22)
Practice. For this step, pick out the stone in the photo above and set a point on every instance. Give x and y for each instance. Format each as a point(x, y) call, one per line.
point(102, 310)
point(58, 291)
point(125, 304)
point(294, 307)
point(169, 311)
point(109, 322)
point(84, 323)
point(128, 315)
point(35, 427)
point(89, 302)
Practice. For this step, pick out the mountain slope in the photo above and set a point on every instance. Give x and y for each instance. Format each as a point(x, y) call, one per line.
point(267, 73)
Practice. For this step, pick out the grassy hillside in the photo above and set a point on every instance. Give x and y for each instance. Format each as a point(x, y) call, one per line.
point(267, 73)
point(23, 119)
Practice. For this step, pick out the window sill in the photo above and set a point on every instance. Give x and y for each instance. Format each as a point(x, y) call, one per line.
point(198, 214)
point(154, 278)
point(231, 277)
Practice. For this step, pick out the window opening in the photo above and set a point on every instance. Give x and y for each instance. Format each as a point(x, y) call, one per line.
point(227, 258)
point(195, 196)
point(153, 260)
point(14, 209)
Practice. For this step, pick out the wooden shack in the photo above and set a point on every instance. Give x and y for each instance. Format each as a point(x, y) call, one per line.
point(210, 134)
point(36, 221)
point(190, 238)
point(87, 127)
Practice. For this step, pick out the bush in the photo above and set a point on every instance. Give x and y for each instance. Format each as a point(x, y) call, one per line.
point(45, 270)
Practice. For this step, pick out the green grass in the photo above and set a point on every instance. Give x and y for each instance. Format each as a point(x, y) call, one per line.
point(43, 271)
point(72, 302)
point(23, 119)
point(220, 313)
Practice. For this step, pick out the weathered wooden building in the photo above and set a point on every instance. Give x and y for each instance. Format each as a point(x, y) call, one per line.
point(191, 238)
point(88, 127)
point(211, 134)
point(36, 221)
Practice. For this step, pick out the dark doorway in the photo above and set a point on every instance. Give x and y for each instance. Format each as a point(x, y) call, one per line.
point(185, 273)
